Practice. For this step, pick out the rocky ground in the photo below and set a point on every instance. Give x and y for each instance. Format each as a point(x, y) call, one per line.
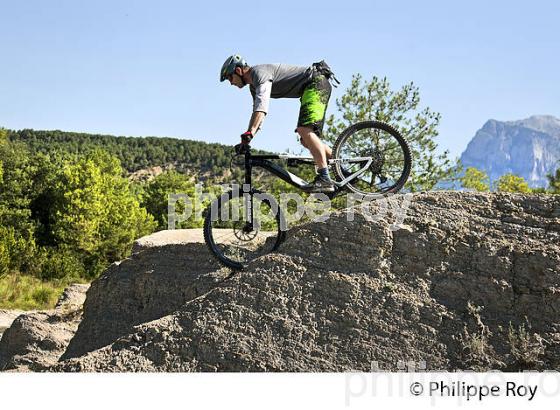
point(468, 281)
point(36, 340)
point(7, 317)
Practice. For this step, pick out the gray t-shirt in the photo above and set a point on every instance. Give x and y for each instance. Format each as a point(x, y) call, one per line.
point(277, 81)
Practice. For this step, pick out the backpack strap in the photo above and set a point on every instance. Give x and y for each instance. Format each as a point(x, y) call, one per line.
point(323, 68)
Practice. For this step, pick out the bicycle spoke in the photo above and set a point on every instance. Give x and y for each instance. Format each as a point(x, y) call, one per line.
point(225, 235)
point(390, 156)
point(234, 246)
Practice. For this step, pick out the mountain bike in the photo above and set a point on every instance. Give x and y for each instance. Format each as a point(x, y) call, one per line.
point(369, 159)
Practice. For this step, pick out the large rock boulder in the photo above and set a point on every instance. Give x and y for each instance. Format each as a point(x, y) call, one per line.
point(7, 316)
point(153, 283)
point(470, 281)
point(36, 340)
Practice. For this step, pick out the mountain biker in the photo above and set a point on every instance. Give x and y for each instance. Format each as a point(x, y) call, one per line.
point(310, 84)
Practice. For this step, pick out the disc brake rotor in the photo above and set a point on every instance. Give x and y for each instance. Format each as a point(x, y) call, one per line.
point(378, 160)
point(245, 233)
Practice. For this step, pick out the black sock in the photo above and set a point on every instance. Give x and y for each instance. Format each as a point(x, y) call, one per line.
point(324, 172)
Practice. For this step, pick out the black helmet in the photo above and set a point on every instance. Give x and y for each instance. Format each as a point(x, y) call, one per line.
point(229, 66)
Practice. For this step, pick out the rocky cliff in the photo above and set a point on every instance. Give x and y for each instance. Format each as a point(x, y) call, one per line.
point(470, 281)
point(529, 148)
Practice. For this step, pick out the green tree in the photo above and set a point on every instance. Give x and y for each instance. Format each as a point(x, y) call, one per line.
point(554, 182)
point(157, 191)
point(475, 179)
point(4, 250)
point(155, 198)
point(94, 212)
point(3, 142)
point(512, 183)
point(5, 260)
point(134, 153)
point(17, 172)
point(17, 234)
point(63, 216)
point(374, 100)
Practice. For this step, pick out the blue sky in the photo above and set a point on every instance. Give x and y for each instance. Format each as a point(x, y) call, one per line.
point(151, 68)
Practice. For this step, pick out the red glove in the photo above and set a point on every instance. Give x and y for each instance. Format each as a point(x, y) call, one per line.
point(246, 137)
point(244, 147)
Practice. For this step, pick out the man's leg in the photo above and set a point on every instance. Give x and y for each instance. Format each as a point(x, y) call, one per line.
point(328, 150)
point(314, 102)
point(311, 141)
point(319, 151)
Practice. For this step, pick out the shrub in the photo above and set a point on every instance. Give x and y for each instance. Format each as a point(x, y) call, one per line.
point(61, 263)
point(512, 183)
point(43, 295)
point(475, 179)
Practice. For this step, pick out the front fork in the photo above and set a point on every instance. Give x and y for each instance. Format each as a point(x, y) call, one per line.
point(248, 195)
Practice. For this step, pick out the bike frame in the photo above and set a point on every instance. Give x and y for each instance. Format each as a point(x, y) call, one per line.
point(264, 161)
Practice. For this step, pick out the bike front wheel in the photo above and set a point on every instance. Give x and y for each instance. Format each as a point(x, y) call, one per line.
point(390, 154)
point(240, 227)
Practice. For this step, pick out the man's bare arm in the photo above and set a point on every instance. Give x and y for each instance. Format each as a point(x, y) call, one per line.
point(256, 121)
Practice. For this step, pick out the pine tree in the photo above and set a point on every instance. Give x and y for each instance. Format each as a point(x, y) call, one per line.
point(374, 100)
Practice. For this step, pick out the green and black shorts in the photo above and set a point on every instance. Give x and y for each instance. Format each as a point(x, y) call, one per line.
point(314, 101)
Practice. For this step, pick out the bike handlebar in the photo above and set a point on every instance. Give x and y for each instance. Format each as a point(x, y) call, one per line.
point(242, 149)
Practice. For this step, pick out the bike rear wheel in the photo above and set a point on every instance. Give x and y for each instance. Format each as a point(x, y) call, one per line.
point(389, 151)
point(240, 227)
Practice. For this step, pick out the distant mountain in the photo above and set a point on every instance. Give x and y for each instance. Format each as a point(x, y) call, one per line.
point(529, 148)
